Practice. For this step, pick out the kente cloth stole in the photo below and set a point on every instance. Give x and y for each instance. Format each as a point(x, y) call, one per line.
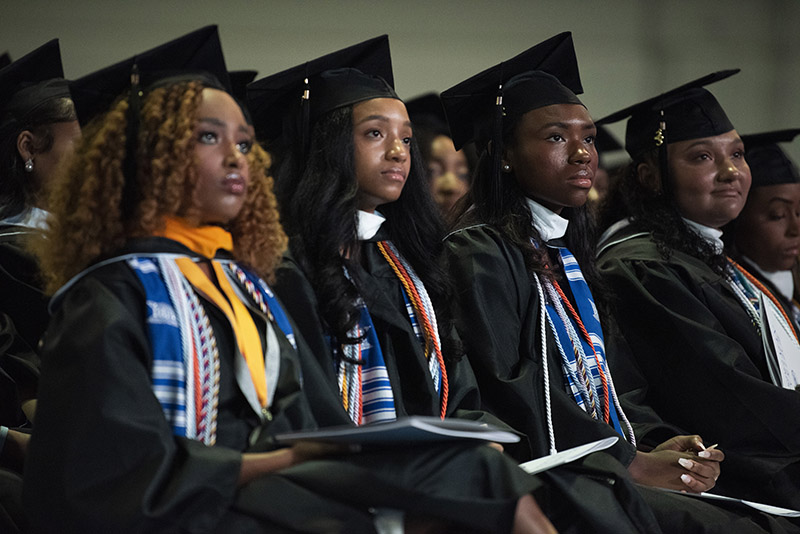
point(185, 368)
point(423, 319)
point(363, 380)
point(746, 288)
point(579, 338)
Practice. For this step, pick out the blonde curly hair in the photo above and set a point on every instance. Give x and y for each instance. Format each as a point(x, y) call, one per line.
point(88, 221)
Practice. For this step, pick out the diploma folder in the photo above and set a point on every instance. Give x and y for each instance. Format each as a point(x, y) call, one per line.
point(405, 430)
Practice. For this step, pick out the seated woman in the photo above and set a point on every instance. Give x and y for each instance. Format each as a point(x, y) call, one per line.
point(522, 260)
point(169, 364)
point(696, 324)
point(765, 237)
point(362, 279)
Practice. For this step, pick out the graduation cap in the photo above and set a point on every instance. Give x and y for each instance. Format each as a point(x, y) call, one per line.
point(308, 91)
point(769, 165)
point(540, 76)
point(195, 56)
point(5, 60)
point(686, 112)
point(29, 82)
point(239, 80)
point(427, 111)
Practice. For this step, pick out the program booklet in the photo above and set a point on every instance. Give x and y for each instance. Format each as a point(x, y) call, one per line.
point(404, 431)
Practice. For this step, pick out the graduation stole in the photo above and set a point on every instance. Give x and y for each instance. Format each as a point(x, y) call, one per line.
point(584, 365)
point(419, 305)
point(363, 381)
point(747, 288)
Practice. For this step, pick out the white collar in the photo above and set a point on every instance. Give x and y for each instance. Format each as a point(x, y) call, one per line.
point(782, 280)
point(32, 218)
point(712, 235)
point(368, 224)
point(550, 225)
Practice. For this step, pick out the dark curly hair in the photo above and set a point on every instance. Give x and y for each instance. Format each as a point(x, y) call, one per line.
point(324, 240)
point(87, 220)
point(17, 191)
point(654, 210)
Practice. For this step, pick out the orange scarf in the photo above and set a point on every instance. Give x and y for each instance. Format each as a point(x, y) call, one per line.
point(206, 241)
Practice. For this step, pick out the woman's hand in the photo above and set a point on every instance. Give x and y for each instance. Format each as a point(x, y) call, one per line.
point(680, 463)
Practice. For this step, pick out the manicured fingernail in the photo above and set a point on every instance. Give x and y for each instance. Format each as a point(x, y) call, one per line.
point(685, 463)
point(686, 479)
point(704, 454)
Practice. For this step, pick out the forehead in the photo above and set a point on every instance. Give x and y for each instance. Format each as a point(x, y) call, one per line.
point(382, 107)
point(721, 140)
point(221, 105)
point(573, 114)
point(768, 193)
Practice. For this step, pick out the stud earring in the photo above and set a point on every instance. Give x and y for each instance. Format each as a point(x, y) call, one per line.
point(29, 165)
point(506, 167)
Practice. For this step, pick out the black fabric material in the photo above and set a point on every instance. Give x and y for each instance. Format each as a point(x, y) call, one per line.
point(22, 297)
point(499, 323)
point(697, 364)
point(688, 112)
point(30, 81)
point(103, 458)
point(470, 104)
point(406, 364)
point(353, 74)
point(199, 51)
point(769, 165)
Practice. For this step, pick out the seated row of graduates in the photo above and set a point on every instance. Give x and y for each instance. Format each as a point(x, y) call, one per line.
point(163, 247)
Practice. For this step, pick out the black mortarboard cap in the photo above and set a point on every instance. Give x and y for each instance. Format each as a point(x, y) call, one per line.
point(30, 81)
point(197, 56)
point(427, 111)
point(543, 75)
point(239, 80)
point(769, 165)
point(5, 60)
point(348, 76)
point(684, 113)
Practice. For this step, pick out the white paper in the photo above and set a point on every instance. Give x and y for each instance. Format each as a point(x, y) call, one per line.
point(564, 457)
point(414, 429)
point(768, 508)
point(781, 343)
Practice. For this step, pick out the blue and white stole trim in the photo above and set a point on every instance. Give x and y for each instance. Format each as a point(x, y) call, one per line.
point(587, 392)
point(363, 380)
point(185, 356)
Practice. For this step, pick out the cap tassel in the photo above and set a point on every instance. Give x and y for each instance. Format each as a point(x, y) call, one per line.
point(129, 168)
point(660, 139)
point(305, 103)
point(497, 134)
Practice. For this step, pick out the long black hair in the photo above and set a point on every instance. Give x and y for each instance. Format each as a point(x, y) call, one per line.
point(654, 210)
point(318, 197)
point(17, 191)
point(501, 203)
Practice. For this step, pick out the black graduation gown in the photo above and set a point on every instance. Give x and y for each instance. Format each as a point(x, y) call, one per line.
point(499, 323)
point(498, 320)
point(696, 364)
point(103, 457)
point(413, 389)
point(21, 298)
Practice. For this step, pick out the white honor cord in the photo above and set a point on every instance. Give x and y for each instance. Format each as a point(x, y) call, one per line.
point(542, 328)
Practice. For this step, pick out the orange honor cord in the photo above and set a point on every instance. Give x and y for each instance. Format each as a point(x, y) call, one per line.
point(419, 309)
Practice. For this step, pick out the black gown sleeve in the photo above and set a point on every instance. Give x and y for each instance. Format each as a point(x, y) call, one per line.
point(102, 457)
